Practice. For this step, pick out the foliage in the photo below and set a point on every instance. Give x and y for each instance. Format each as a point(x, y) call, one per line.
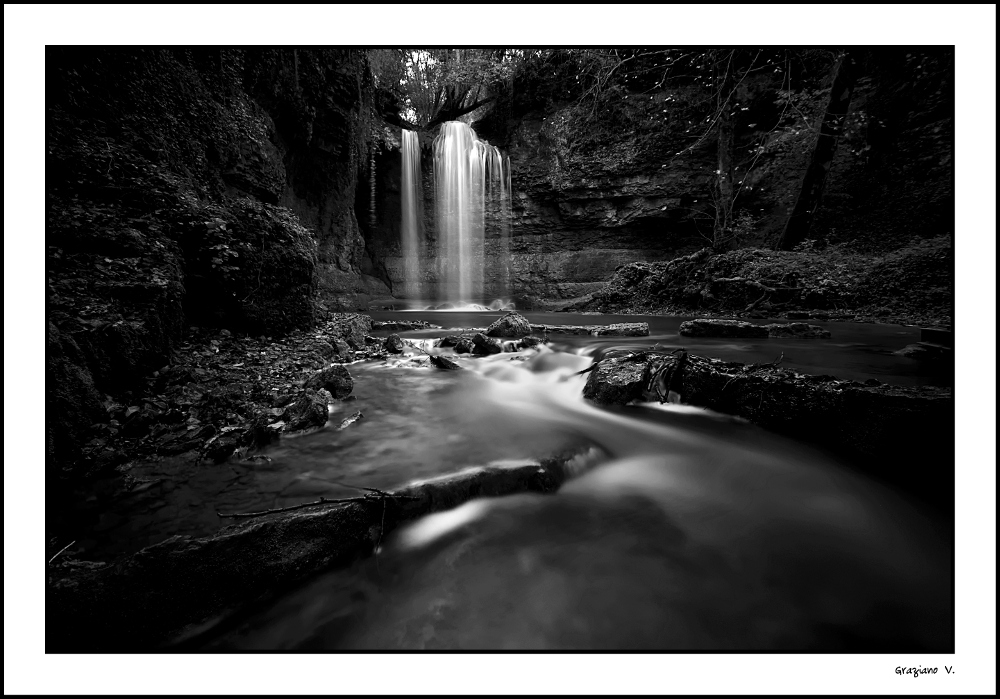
point(430, 86)
point(911, 285)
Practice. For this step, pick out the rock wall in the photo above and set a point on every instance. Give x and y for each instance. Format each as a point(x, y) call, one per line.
point(635, 185)
point(578, 215)
point(208, 187)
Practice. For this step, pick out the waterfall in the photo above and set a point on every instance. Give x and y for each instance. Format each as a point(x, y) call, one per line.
point(472, 190)
point(410, 228)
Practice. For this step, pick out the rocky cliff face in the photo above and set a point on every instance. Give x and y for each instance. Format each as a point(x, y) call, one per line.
point(578, 215)
point(575, 218)
point(193, 187)
point(636, 184)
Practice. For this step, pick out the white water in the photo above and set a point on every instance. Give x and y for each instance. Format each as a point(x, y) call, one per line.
point(686, 530)
point(472, 189)
point(410, 228)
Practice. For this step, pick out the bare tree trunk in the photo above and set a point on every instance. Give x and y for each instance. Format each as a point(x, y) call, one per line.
point(811, 194)
point(724, 173)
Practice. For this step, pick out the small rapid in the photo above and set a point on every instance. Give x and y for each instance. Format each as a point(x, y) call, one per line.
point(683, 529)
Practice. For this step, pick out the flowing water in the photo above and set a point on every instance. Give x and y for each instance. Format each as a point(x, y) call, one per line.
point(410, 229)
point(685, 529)
point(472, 192)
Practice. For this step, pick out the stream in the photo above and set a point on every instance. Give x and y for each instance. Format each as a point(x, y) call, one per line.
point(683, 528)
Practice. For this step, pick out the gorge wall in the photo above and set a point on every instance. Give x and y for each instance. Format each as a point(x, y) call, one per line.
point(209, 187)
point(255, 190)
point(635, 181)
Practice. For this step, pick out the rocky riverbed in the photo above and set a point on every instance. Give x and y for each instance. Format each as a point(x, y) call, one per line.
point(226, 396)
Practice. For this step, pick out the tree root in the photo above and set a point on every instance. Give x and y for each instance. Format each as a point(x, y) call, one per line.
point(374, 496)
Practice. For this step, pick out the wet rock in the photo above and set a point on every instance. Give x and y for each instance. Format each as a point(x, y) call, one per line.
point(444, 363)
point(613, 330)
point(717, 327)
point(875, 424)
point(403, 325)
point(310, 409)
point(261, 433)
point(464, 346)
point(183, 586)
point(393, 344)
point(485, 345)
point(350, 420)
point(343, 350)
point(222, 446)
point(352, 327)
point(336, 379)
point(617, 381)
point(802, 330)
point(512, 324)
point(530, 341)
point(449, 341)
point(926, 351)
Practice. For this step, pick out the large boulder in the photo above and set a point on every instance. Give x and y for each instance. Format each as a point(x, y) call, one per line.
point(393, 344)
point(485, 345)
point(310, 409)
point(717, 327)
point(617, 380)
point(513, 324)
point(872, 423)
point(335, 379)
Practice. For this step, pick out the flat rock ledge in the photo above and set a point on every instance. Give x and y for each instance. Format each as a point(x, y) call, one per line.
point(717, 327)
point(403, 325)
point(613, 330)
point(174, 591)
point(895, 430)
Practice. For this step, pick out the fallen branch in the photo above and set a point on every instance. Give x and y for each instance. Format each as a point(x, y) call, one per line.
point(419, 349)
point(773, 365)
point(61, 550)
point(375, 496)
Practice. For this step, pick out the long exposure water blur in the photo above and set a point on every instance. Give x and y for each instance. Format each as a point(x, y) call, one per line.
point(683, 529)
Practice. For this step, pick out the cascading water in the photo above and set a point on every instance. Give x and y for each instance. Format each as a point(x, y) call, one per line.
point(472, 190)
point(411, 224)
point(680, 529)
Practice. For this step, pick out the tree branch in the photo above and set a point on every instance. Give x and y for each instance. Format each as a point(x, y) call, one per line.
point(453, 114)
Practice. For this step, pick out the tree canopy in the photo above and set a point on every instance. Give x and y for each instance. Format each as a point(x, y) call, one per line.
point(421, 88)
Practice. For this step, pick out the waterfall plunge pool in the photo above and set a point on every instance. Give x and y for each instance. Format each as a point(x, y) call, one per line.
point(689, 529)
point(686, 529)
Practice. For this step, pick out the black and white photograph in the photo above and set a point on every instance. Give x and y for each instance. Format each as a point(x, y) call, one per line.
point(435, 350)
